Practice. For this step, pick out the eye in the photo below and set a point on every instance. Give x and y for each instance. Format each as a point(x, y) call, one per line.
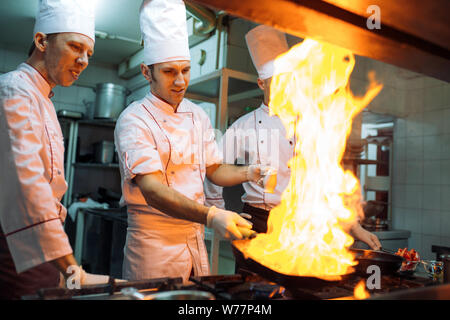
point(75, 47)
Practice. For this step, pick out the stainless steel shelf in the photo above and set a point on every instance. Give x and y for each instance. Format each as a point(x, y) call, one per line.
point(96, 165)
point(222, 87)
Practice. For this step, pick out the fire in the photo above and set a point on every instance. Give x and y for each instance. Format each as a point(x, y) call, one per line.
point(360, 291)
point(306, 232)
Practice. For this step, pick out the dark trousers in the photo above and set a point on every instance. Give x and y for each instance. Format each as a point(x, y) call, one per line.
point(259, 220)
point(14, 285)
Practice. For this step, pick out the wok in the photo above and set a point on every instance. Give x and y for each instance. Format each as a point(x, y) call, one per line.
point(388, 263)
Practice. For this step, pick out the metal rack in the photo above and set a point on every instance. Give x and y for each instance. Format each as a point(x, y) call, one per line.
point(71, 163)
point(223, 87)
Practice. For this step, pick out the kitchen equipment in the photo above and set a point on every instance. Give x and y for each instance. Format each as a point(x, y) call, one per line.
point(433, 268)
point(388, 263)
point(446, 259)
point(104, 152)
point(70, 114)
point(245, 285)
point(110, 100)
point(168, 295)
point(288, 281)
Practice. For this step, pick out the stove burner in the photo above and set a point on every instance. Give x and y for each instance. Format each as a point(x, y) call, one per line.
point(245, 285)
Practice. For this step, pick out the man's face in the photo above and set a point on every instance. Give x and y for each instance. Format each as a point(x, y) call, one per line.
point(66, 56)
point(264, 85)
point(169, 80)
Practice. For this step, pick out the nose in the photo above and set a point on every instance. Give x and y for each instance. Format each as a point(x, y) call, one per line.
point(179, 80)
point(83, 59)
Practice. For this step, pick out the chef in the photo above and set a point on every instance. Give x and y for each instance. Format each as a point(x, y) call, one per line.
point(258, 137)
point(166, 147)
point(34, 249)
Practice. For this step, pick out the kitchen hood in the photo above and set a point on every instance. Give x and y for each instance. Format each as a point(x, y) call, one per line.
point(412, 34)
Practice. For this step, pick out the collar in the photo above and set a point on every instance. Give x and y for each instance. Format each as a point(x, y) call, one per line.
point(38, 80)
point(164, 106)
point(264, 108)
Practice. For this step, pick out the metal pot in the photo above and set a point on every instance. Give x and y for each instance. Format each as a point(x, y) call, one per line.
point(110, 100)
point(104, 152)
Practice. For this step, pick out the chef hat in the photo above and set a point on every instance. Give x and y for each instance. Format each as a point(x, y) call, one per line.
point(55, 16)
point(164, 30)
point(265, 44)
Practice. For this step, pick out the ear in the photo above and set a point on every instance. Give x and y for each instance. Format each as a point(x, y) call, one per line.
point(41, 41)
point(145, 70)
point(261, 84)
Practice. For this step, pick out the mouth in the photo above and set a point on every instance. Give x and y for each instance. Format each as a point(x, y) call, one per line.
point(178, 92)
point(75, 74)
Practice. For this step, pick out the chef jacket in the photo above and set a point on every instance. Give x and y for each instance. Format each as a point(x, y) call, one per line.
point(150, 137)
point(32, 172)
point(256, 138)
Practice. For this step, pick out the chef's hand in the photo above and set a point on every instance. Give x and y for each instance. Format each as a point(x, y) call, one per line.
point(226, 223)
point(365, 236)
point(257, 172)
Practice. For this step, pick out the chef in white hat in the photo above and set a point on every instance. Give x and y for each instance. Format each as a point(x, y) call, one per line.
point(258, 137)
point(166, 147)
point(34, 249)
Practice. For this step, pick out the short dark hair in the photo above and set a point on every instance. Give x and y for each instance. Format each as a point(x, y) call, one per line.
point(152, 69)
point(33, 46)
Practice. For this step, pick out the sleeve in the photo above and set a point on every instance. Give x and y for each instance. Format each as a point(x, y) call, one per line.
point(213, 195)
point(136, 147)
point(29, 215)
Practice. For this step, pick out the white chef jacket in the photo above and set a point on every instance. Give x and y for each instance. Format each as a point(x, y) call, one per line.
point(256, 138)
point(150, 136)
point(32, 170)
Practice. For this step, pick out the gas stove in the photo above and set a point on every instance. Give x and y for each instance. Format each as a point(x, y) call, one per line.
point(245, 285)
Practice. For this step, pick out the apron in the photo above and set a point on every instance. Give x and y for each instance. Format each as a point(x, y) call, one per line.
point(158, 247)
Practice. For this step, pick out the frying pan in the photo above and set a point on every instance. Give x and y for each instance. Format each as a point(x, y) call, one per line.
point(285, 280)
point(388, 263)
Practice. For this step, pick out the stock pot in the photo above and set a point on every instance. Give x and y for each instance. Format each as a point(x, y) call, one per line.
point(110, 100)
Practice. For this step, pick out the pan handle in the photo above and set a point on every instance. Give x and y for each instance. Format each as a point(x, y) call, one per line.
point(387, 251)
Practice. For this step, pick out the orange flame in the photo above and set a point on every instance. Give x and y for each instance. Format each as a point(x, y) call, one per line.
point(307, 232)
point(360, 291)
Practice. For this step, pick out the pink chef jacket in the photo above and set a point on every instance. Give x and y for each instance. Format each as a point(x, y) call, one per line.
point(151, 137)
point(32, 170)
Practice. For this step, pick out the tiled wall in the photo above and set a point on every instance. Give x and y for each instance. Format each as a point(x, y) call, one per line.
point(421, 162)
point(421, 175)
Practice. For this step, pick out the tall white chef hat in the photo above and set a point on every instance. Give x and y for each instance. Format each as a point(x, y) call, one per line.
point(55, 16)
point(265, 44)
point(164, 30)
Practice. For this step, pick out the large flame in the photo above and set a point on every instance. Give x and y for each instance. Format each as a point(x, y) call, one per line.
point(308, 232)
